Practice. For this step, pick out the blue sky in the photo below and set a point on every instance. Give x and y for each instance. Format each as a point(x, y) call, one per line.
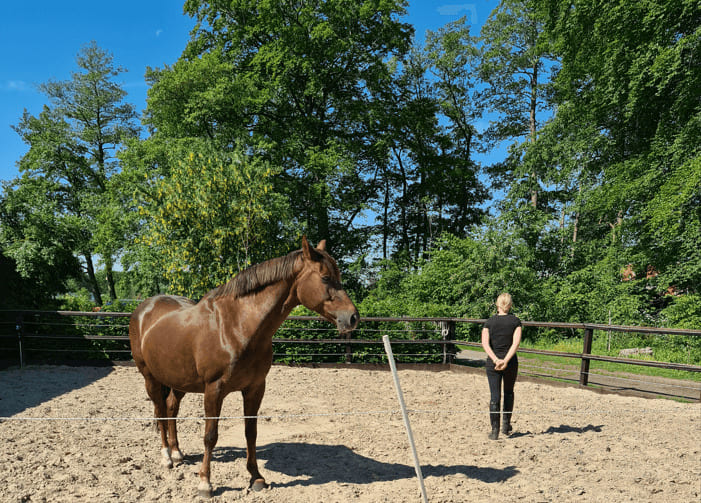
point(39, 42)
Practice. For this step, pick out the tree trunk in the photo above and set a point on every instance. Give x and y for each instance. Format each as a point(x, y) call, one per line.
point(110, 283)
point(404, 224)
point(323, 222)
point(385, 217)
point(532, 129)
point(93, 279)
point(576, 223)
point(562, 225)
point(574, 233)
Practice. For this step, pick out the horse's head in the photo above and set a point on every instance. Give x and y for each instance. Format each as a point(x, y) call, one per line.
point(318, 287)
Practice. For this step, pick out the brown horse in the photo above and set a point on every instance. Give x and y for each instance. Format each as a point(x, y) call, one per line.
point(223, 343)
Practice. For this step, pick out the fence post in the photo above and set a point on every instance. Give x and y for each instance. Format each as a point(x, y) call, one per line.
point(349, 351)
point(407, 425)
point(584, 371)
point(19, 327)
point(448, 334)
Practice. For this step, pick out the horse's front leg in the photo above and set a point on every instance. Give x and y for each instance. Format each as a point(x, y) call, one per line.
point(252, 397)
point(213, 399)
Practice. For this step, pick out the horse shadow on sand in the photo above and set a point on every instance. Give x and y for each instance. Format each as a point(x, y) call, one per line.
point(316, 464)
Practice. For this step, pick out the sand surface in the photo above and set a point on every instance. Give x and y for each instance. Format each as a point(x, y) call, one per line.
point(336, 435)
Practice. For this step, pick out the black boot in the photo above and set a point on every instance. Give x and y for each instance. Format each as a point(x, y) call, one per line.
point(508, 409)
point(494, 412)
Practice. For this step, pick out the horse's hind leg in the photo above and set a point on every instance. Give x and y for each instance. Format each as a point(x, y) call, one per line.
point(173, 406)
point(252, 397)
point(156, 392)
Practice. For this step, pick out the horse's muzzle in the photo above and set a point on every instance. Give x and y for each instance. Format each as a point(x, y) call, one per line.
point(346, 321)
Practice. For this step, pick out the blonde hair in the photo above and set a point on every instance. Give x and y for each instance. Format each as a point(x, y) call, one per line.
point(504, 302)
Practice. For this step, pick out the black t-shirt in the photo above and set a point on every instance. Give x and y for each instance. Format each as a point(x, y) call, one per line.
point(501, 332)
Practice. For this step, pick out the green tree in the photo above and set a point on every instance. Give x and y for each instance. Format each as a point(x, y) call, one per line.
point(629, 120)
point(71, 147)
point(37, 242)
point(429, 184)
point(211, 216)
point(462, 278)
point(419, 181)
point(301, 76)
point(516, 61)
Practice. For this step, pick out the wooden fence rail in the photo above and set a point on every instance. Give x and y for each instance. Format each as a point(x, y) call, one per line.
point(42, 327)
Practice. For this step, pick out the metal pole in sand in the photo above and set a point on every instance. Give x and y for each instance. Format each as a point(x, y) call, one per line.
point(417, 465)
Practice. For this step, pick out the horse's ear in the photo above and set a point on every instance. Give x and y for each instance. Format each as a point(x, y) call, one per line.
point(321, 245)
point(305, 248)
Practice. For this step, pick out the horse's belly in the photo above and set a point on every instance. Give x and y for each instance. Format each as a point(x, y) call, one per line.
point(167, 353)
point(175, 376)
point(187, 356)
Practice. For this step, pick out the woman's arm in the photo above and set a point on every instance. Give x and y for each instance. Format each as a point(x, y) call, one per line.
point(514, 346)
point(487, 348)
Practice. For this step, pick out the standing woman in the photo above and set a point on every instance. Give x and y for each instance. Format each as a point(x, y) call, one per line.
point(501, 337)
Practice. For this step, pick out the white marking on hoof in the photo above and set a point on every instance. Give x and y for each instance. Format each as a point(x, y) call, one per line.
point(177, 456)
point(259, 485)
point(204, 489)
point(165, 458)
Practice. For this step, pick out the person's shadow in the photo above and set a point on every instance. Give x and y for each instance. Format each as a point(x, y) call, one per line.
point(315, 464)
point(563, 428)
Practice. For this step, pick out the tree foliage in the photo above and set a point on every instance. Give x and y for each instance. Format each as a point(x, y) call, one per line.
point(211, 216)
point(38, 241)
point(67, 170)
point(325, 118)
point(631, 131)
point(298, 76)
point(429, 182)
point(613, 232)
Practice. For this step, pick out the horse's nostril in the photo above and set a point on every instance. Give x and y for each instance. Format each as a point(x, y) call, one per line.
point(354, 320)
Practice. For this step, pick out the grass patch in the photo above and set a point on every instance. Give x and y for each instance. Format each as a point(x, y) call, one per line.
point(665, 349)
point(575, 346)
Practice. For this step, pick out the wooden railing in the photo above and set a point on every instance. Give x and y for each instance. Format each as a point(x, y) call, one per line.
point(57, 336)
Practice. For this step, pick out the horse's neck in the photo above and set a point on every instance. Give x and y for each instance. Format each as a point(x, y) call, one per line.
point(262, 310)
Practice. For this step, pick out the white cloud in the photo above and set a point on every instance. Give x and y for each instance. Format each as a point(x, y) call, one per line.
point(457, 9)
point(14, 85)
point(158, 32)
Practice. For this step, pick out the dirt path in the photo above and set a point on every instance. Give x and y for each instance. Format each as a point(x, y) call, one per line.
point(331, 438)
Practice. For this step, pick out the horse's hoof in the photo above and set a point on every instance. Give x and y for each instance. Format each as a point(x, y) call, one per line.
point(177, 456)
point(165, 458)
point(204, 490)
point(259, 485)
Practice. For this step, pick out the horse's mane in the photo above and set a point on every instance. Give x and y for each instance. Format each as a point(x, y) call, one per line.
point(256, 277)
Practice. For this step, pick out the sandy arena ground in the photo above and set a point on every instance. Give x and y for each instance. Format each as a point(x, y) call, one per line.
point(339, 441)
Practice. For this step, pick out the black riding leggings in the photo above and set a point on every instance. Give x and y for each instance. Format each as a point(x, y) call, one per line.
point(495, 378)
